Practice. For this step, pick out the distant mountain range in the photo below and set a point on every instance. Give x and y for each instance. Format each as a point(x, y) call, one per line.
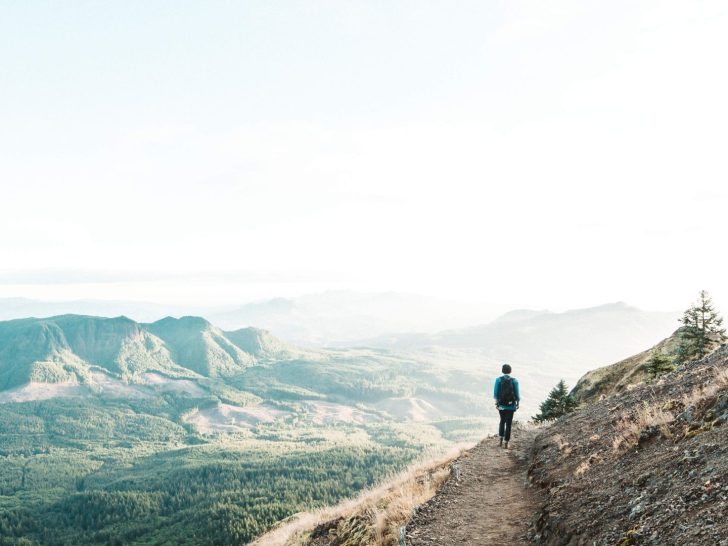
point(567, 342)
point(312, 320)
point(230, 379)
point(70, 348)
point(345, 316)
point(14, 308)
point(106, 355)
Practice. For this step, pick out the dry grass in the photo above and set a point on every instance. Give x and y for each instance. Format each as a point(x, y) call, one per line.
point(700, 393)
point(721, 378)
point(582, 468)
point(564, 447)
point(374, 517)
point(593, 459)
point(630, 428)
point(695, 396)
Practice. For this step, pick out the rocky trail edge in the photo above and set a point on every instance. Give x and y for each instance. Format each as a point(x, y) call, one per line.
point(488, 500)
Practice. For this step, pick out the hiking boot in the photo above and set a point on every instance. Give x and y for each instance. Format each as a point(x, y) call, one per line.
point(506, 445)
point(501, 441)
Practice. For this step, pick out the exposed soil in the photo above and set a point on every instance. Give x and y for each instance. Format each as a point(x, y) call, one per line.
point(491, 504)
point(649, 466)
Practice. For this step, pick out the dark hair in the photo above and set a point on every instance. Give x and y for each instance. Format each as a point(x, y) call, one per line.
point(506, 368)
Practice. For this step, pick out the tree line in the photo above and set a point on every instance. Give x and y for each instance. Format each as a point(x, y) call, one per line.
point(214, 503)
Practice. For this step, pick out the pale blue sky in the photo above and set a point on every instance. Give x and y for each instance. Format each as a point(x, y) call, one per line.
point(545, 153)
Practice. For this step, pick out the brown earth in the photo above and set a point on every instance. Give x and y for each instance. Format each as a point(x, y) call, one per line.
point(490, 503)
point(648, 466)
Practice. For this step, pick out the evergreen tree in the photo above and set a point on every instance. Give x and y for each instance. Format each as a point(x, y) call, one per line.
point(701, 330)
point(659, 364)
point(558, 403)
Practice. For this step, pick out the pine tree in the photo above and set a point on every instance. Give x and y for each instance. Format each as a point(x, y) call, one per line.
point(659, 364)
point(558, 403)
point(701, 330)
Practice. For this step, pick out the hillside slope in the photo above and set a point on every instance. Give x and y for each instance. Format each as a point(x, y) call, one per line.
point(481, 497)
point(64, 348)
point(213, 374)
point(617, 377)
point(620, 376)
point(652, 468)
point(198, 346)
point(69, 348)
point(375, 517)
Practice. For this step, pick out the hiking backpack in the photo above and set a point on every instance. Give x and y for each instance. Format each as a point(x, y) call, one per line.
point(506, 391)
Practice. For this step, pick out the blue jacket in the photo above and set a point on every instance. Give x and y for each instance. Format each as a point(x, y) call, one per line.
point(515, 387)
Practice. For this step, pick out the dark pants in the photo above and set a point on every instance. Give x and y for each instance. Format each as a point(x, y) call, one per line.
point(504, 429)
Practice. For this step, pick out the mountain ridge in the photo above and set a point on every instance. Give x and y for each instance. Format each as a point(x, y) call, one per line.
point(576, 339)
point(309, 320)
point(65, 348)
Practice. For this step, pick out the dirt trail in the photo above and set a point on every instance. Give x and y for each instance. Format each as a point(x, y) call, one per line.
point(490, 505)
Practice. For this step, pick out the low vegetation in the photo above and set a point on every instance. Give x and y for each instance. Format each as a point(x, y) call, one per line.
point(83, 472)
point(659, 364)
point(558, 403)
point(374, 518)
point(645, 421)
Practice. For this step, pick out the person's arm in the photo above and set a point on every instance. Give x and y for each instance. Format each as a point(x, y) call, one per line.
point(518, 392)
point(495, 390)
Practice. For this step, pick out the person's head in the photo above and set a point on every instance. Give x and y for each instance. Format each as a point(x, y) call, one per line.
point(506, 368)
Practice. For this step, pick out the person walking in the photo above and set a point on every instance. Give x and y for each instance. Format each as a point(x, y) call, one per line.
point(507, 398)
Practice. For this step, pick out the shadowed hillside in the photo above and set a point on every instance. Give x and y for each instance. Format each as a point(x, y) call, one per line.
point(67, 348)
point(197, 345)
point(62, 349)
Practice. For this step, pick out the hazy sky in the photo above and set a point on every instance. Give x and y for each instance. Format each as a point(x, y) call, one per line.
point(547, 153)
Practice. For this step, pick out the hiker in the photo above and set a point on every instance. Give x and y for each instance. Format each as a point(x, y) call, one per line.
point(507, 399)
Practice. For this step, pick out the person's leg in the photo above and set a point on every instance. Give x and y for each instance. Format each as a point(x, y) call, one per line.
point(502, 425)
point(508, 418)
